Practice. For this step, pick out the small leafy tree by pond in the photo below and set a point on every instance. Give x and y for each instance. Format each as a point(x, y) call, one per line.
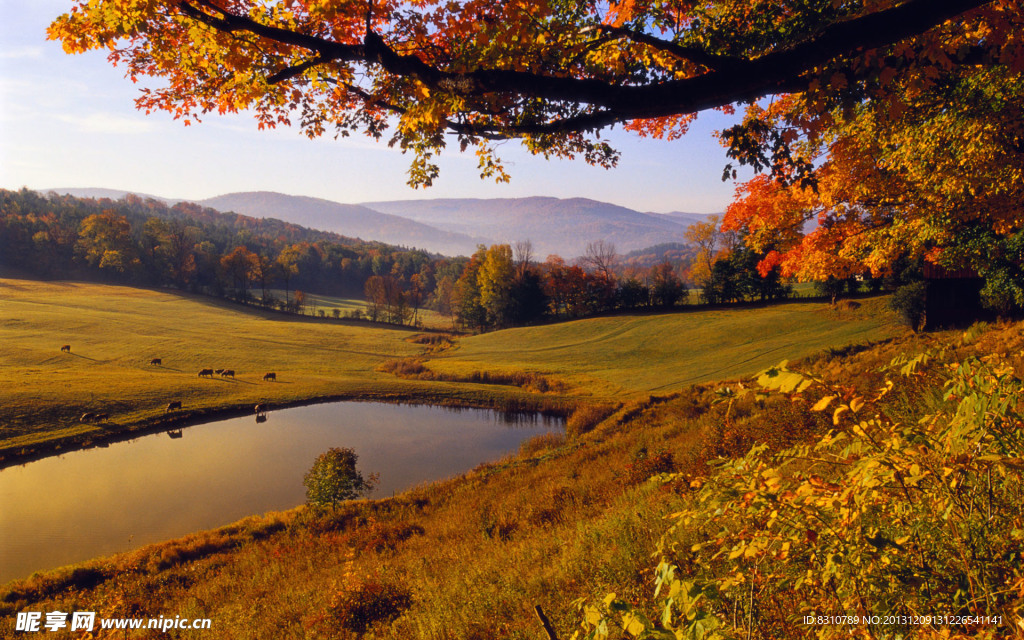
point(334, 478)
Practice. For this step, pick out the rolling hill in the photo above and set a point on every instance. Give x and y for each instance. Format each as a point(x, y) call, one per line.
point(454, 226)
point(347, 219)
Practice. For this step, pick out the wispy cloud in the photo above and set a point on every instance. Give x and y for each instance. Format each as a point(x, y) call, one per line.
point(108, 123)
point(22, 53)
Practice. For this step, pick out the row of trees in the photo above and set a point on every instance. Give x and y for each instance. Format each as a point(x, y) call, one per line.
point(503, 286)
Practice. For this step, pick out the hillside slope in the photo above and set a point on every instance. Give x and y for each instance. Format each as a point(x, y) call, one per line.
point(662, 352)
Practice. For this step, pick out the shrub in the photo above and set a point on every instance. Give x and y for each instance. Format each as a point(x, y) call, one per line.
point(405, 368)
point(585, 417)
point(334, 478)
point(543, 442)
point(646, 465)
point(369, 603)
point(381, 536)
point(878, 519)
point(909, 302)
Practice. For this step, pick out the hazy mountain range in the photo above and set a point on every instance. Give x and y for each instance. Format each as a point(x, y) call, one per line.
point(456, 226)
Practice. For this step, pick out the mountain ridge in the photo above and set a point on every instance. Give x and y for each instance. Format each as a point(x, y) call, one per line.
point(453, 226)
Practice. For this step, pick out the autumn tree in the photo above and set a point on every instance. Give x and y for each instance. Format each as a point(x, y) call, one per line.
point(443, 298)
point(105, 242)
point(553, 74)
point(896, 123)
point(706, 237)
point(909, 165)
point(494, 280)
point(264, 271)
point(288, 266)
point(469, 308)
point(240, 266)
point(666, 287)
point(386, 299)
point(177, 245)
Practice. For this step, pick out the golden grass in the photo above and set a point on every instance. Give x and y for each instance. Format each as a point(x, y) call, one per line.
point(115, 332)
point(563, 520)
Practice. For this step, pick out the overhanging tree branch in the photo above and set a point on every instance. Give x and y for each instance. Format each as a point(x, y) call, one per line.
point(729, 81)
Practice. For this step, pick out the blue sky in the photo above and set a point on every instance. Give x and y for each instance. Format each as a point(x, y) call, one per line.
point(70, 121)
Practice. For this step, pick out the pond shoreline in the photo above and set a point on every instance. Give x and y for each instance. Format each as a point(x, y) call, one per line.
point(16, 455)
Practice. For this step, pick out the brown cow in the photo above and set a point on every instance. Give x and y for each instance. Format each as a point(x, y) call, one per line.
point(156, 361)
point(174, 404)
point(270, 376)
point(66, 349)
point(205, 372)
point(227, 373)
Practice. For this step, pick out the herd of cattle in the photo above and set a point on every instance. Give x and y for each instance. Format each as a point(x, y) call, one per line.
point(175, 405)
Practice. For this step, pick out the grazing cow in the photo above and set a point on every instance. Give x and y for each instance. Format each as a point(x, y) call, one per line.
point(156, 361)
point(66, 349)
point(89, 416)
point(206, 372)
point(270, 376)
point(227, 373)
point(174, 404)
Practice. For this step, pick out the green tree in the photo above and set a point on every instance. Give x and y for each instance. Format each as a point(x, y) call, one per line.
point(334, 478)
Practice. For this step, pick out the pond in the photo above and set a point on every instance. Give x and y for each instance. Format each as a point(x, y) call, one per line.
point(96, 502)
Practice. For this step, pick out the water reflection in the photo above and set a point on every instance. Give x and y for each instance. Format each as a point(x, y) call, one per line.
point(90, 503)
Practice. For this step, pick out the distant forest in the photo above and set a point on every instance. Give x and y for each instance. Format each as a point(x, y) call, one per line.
point(193, 248)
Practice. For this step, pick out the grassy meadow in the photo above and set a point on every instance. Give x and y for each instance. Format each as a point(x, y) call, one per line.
point(469, 558)
point(655, 353)
point(115, 332)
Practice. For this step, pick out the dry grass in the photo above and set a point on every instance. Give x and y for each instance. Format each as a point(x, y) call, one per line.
point(476, 553)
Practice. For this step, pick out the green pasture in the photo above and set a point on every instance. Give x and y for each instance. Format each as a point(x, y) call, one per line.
point(660, 352)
